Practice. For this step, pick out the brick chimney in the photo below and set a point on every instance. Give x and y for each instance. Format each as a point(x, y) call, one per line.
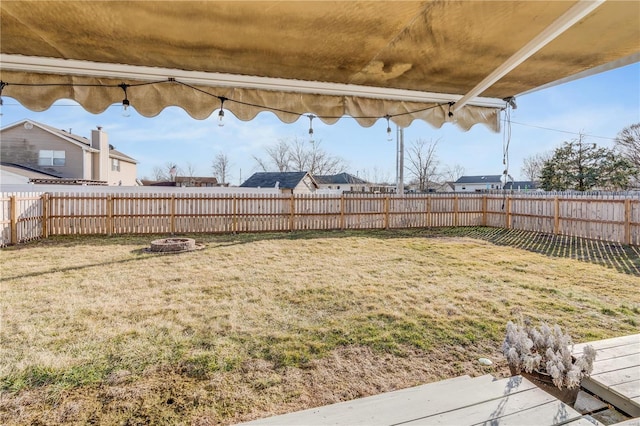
point(100, 162)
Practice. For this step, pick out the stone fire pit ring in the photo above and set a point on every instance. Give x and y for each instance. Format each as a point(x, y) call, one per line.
point(173, 245)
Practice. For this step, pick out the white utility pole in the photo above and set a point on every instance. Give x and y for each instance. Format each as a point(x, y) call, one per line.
point(399, 160)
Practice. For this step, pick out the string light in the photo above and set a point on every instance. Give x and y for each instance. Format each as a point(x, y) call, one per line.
point(389, 135)
point(126, 110)
point(125, 101)
point(221, 113)
point(2, 84)
point(311, 117)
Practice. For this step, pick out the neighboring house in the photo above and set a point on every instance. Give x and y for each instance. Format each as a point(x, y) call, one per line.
point(287, 182)
point(60, 154)
point(521, 185)
point(187, 181)
point(198, 181)
point(478, 183)
point(343, 182)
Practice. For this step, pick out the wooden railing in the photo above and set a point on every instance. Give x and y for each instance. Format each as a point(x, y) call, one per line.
point(28, 216)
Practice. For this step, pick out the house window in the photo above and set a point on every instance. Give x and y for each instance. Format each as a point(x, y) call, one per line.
point(115, 165)
point(47, 157)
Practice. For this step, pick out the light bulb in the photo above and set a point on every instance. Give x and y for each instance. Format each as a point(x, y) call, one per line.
point(389, 135)
point(311, 117)
point(221, 118)
point(126, 112)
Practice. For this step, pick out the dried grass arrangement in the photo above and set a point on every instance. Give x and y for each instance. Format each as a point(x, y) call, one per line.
point(546, 350)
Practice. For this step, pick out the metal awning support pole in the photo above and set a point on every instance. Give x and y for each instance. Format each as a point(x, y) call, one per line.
point(560, 25)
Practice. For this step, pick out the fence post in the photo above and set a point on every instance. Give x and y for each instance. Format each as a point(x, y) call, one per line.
point(386, 212)
point(484, 210)
point(109, 215)
point(234, 217)
point(342, 212)
point(508, 218)
point(556, 215)
point(292, 207)
point(627, 221)
point(45, 214)
point(172, 220)
point(455, 210)
point(14, 219)
point(428, 212)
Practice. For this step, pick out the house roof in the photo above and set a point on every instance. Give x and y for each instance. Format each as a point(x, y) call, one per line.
point(199, 179)
point(27, 171)
point(80, 141)
point(340, 178)
point(521, 184)
point(285, 180)
point(361, 58)
point(480, 179)
point(114, 153)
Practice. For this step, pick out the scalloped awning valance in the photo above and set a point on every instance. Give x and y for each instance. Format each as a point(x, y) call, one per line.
point(428, 60)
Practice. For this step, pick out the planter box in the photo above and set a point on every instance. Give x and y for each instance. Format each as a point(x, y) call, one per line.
point(545, 382)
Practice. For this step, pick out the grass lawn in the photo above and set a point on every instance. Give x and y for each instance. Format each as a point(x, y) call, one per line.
point(94, 330)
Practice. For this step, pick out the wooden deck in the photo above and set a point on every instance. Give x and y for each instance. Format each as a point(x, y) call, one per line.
point(460, 401)
point(488, 401)
point(616, 372)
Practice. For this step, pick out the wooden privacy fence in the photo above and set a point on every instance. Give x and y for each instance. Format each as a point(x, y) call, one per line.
point(28, 216)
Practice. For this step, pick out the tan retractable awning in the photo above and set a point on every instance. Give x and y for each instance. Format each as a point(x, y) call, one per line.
point(366, 59)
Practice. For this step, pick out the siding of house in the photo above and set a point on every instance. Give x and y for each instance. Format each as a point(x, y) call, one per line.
point(125, 177)
point(477, 187)
point(306, 186)
point(22, 146)
point(88, 166)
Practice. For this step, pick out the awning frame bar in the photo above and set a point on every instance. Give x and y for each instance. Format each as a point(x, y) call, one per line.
point(560, 25)
point(36, 64)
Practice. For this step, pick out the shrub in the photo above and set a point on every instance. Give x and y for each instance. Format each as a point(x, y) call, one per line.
point(547, 350)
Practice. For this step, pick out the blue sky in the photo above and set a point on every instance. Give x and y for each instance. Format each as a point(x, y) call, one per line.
point(599, 105)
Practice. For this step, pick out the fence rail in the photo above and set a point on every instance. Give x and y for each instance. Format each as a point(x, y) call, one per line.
point(28, 216)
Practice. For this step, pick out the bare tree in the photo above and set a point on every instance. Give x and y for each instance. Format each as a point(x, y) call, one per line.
point(628, 143)
point(532, 165)
point(376, 175)
point(277, 155)
point(422, 162)
point(190, 170)
point(320, 162)
point(298, 155)
point(220, 166)
point(453, 173)
point(167, 172)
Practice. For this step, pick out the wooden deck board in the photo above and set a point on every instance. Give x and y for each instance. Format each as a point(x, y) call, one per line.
point(473, 399)
point(552, 413)
point(496, 410)
point(614, 352)
point(612, 378)
point(584, 422)
point(618, 363)
point(632, 388)
point(616, 372)
point(609, 343)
